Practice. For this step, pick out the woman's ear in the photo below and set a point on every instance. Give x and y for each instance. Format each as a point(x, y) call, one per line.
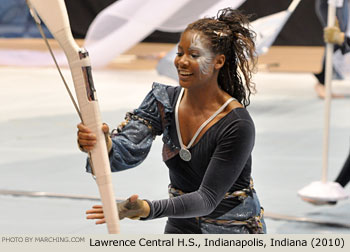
point(219, 61)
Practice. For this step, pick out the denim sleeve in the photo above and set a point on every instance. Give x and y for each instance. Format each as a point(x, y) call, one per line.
point(132, 143)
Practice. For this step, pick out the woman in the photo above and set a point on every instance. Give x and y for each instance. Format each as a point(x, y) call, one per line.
point(208, 134)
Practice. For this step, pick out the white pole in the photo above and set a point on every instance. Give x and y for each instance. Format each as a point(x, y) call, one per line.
point(328, 98)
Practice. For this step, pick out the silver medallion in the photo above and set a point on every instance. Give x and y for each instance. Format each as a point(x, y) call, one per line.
point(185, 154)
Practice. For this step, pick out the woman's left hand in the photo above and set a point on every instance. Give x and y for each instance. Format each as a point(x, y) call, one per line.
point(96, 213)
point(132, 208)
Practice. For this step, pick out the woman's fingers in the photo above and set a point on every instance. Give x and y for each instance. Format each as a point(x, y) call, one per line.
point(133, 198)
point(83, 128)
point(99, 217)
point(87, 143)
point(93, 211)
point(103, 221)
point(85, 133)
point(96, 213)
point(86, 138)
point(105, 128)
point(95, 216)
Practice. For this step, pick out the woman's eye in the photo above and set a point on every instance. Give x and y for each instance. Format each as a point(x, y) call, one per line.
point(195, 55)
point(179, 54)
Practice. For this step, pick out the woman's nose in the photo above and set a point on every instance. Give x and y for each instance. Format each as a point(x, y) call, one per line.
point(183, 61)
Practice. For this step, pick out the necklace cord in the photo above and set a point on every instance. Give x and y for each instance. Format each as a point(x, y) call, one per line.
point(203, 124)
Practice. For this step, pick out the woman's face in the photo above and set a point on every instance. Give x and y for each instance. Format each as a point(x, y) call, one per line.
point(194, 61)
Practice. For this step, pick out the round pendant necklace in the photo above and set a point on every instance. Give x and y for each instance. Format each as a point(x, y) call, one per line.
point(184, 153)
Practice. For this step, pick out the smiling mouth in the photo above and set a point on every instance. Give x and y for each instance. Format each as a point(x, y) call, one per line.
point(184, 73)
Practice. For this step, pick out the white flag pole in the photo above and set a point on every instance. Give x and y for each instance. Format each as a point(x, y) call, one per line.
point(328, 98)
point(320, 192)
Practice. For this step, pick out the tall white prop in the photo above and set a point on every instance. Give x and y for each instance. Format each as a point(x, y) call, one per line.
point(326, 190)
point(54, 15)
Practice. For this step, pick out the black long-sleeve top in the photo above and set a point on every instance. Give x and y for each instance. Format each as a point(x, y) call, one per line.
point(221, 159)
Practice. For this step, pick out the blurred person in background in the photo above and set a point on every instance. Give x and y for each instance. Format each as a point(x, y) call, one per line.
point(340, 43)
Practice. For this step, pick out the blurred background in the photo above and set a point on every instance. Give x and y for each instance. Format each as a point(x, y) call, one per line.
point(43, 185)
point(17, 22)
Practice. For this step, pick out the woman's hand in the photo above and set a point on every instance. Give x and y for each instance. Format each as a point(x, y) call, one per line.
point(87, 139)
point(96, 213)
point(132, 208)
point(333, 34)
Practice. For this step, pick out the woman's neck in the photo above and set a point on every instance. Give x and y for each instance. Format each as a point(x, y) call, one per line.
point(206, 97)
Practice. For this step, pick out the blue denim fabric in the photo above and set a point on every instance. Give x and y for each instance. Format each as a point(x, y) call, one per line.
point(249, 208)
point(132, 145)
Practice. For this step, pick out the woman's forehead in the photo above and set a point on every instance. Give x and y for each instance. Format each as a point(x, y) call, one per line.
point(194, 40)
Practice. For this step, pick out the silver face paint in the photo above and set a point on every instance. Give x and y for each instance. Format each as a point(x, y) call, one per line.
point(205, 55)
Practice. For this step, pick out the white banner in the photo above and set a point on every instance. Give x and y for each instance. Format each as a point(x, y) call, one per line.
point(125, 23)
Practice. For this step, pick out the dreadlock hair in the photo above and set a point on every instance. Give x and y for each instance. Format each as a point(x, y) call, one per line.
point(228, 33)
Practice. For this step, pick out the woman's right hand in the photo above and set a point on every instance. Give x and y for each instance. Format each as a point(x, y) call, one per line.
point(87, 139)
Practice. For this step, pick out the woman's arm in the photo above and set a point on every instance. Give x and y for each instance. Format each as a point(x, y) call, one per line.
point(231, 155)
point(132, 140)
